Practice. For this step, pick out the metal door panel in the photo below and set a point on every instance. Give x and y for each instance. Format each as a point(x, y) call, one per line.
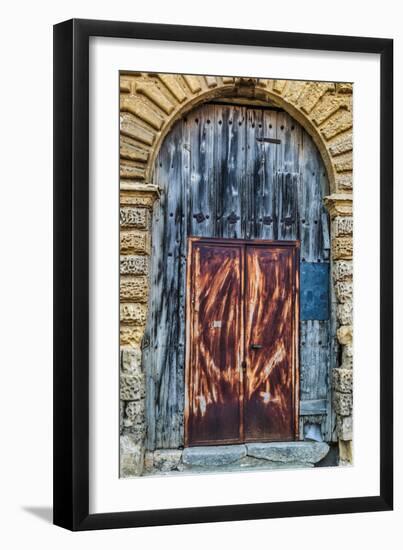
point(215, 347)
point(242, 311)
point(270, 343)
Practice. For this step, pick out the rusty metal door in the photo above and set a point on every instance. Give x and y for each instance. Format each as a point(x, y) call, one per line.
point(242, 359)
point(214, 343)
point(271, 318)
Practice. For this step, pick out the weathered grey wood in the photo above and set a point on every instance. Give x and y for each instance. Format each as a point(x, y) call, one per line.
point(310, 407)
point(200, 127)
point(289, 132)
point(286, 206)
point(314, 359)
point(287, 177)
point(312, 186)
point(260, 167)
point(220, 179)
point(165, 374)
point(314, 366)
point(229, 169)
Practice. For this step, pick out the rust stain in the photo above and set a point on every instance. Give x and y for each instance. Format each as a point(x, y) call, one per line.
point(241, 312)
point(216, 327)
point(269, 399)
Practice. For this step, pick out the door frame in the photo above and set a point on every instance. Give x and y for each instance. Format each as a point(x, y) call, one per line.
point(295, 244)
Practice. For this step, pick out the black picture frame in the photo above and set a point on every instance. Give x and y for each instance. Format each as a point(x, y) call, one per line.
point(71, 274)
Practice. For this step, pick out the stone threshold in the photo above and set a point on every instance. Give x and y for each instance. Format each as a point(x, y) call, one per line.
point(248, 456)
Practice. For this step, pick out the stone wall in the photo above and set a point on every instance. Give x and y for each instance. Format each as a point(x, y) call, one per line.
point(136, 203)
point(150, 105)
point(340, 210)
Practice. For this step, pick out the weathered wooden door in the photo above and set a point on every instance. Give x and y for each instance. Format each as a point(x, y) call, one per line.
point(236, 172)
point(242, 334)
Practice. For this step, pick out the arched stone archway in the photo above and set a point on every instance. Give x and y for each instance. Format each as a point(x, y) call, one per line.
point(150, 105)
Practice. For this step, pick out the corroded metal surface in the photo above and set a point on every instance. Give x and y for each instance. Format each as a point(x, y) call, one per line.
point(216, 344)
point(242, 342)
point(270, 343)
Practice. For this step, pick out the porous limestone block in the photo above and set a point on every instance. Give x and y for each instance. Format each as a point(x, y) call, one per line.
point(132, 387)
point(131, 456)
point(343, 403)
point(343, 380)
point(344, 427)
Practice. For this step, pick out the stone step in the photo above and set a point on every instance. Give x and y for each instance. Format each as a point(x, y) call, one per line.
point(217, 455)
point(293, 452)
point(289, 452)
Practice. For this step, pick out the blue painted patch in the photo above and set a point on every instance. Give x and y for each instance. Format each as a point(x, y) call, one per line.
point(314, 291)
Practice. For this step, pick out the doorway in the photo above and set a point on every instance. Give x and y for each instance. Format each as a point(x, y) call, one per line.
point(242, 341)
point(252, 175)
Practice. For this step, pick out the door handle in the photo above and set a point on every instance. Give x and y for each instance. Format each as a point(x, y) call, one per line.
point(256, 346)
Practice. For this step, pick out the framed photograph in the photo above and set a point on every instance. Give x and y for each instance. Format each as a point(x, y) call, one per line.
point(207, 280)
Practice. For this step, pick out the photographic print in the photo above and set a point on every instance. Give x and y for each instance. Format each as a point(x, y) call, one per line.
point(236, 265)
point(203, 274)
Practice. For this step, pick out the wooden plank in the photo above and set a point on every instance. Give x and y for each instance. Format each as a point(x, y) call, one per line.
point(229, 169)
point(287, 178)
point(200, 127)
point(289, 132)
point(311, 203)
point(260, 166)
point(254, 180)
point(314, 359)
point(164, 371)
point(267, 209)
point(286, 206)
point(183, 251)
point(167, 418)
point(312, 407)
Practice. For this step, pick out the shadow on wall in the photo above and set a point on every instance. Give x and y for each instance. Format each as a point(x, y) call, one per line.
point(45, 513)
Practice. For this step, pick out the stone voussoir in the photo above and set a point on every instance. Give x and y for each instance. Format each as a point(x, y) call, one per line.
point(154, 102)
